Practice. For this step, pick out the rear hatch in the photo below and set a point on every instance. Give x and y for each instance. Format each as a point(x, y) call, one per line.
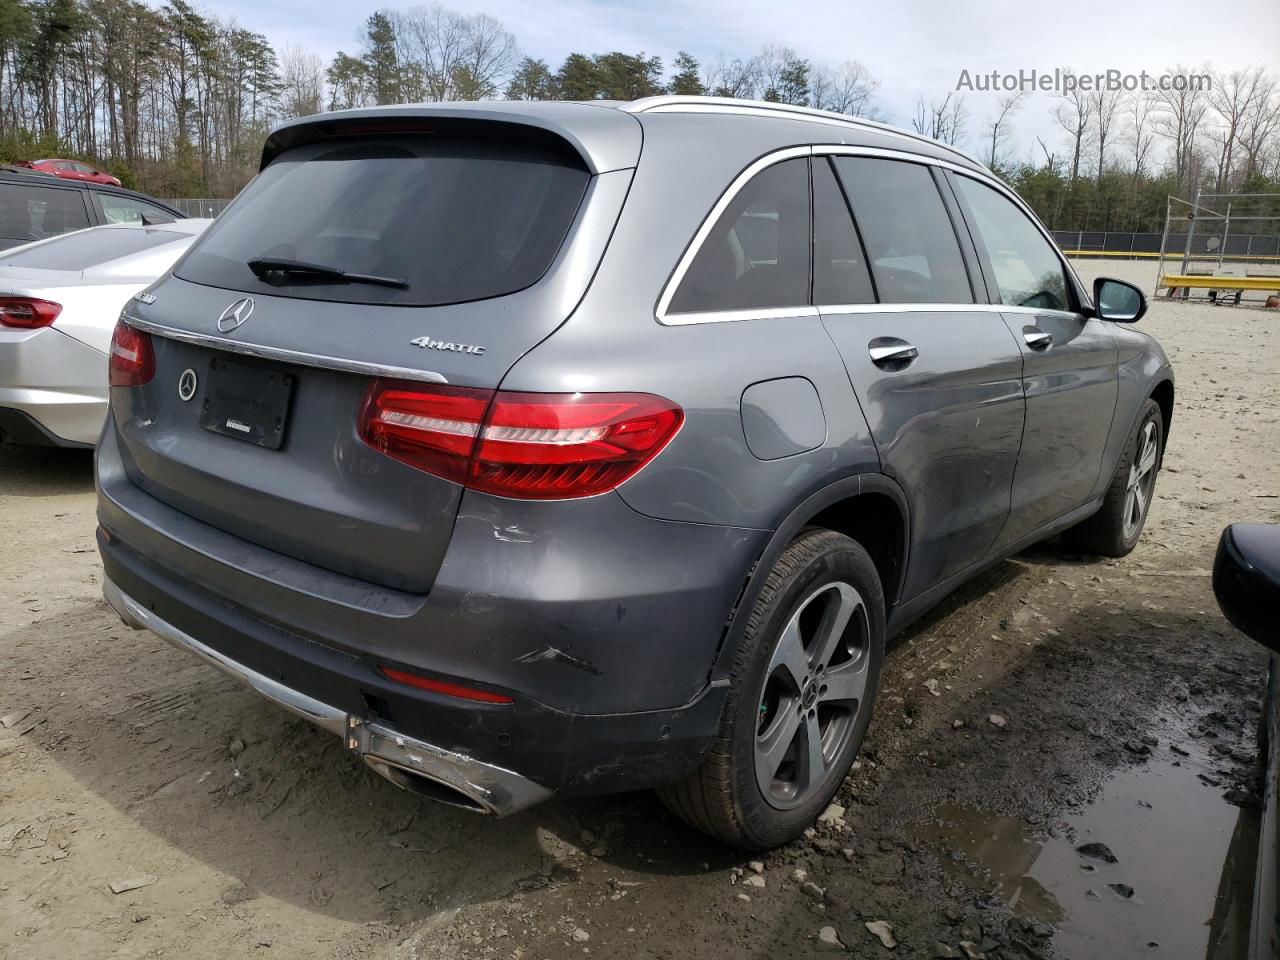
point(472, 241)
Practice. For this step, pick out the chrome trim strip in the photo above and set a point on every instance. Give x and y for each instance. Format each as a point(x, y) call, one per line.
point(140, 618)
point(708, 224)
point(690, 104)
point(841, 308)
point(731, 316)
point(496, 790)
point(287, 356)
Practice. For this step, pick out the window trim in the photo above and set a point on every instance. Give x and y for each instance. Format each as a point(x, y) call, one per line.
point(662, 316)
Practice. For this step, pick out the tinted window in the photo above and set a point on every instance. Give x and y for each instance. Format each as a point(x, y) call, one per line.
point(34, 213)
point(915, 256)
point(80, 251)
point(1028, 270)
point(456, 219)
point(757, 254)
point(118, 209)
point(840, 273)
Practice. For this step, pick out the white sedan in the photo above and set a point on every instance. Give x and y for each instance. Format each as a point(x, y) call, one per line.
point(59, 301)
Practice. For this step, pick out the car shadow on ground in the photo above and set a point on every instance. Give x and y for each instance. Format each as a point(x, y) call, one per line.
point(45, 471)
point(277, 808)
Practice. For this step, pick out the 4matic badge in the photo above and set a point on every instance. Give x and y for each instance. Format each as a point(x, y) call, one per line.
point(427, 343)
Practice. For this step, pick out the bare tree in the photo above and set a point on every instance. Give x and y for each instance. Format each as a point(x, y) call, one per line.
point(999, 125)
point(302, 80)
point(848, 88)
point(1106, 104)
point(454, 56)
point(1138, 133)
point(1073, 113)
point(1177, 118)
point(1231, 99)
point(944, 120)
point(733, 78)
point(1260, 122)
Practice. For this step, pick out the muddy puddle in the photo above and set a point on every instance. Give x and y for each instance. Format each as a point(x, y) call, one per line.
point(1158, 865)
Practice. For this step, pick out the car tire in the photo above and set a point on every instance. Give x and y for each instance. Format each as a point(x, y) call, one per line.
point(824, 594)
point(1115, 529)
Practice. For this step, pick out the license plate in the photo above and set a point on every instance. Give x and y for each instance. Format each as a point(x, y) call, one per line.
point(247, 402)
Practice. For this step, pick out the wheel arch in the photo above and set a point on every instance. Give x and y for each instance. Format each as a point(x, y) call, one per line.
point(1162, 394)
point(870, 508)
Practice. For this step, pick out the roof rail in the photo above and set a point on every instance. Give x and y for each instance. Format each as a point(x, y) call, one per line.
point(674, 103)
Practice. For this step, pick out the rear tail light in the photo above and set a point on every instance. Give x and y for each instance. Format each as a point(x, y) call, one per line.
point(132, 362)
point(536, 446)
point(28, 312)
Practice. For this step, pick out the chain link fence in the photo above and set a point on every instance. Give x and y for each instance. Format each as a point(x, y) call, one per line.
point(197, 206)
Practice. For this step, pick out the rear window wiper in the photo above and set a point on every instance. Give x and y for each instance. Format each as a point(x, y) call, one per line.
point(263, 266)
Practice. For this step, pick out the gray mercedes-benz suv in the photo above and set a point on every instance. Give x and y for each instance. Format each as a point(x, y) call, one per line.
point(543, 448)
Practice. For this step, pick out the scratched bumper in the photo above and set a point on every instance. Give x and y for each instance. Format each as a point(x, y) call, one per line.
point(545, 750)
point(606, 656)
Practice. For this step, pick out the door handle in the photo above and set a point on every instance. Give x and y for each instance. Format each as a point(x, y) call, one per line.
point(890, 351)
point(1036, 338)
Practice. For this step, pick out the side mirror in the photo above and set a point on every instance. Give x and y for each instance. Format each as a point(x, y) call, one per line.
point(1118, 301)
point(1246, 580)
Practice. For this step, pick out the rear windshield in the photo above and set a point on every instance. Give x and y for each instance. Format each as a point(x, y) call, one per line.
point(455, 219)
point(88, 248)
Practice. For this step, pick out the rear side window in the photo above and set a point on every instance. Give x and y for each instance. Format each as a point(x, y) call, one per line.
point(840, 273)
point(34, 213)
point(914, 254)
point(756, 256)
point(118, 209)
point(1027, 269)
point(455, 219)
point(81, 251)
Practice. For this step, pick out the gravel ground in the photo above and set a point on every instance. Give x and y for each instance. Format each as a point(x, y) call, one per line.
point(1009, 720)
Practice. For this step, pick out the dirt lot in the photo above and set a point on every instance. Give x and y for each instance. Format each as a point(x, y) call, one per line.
point(1056, 702)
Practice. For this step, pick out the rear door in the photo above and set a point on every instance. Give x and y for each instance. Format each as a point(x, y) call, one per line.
point(1069, 362)
point(938, 376)
point(251, 422)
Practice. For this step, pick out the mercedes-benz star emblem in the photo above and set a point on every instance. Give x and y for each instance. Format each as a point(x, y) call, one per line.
point(187, 383)
point(236, 314)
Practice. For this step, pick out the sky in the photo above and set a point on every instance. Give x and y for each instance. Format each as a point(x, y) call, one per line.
point(915, 48)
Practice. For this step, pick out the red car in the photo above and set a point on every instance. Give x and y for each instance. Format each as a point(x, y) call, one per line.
point(74, 170)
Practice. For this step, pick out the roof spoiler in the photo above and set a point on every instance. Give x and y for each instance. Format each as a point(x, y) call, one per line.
point(605, 138)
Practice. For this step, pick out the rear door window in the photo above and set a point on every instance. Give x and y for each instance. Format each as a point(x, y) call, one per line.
point(910, 240)
point(840, 273)
point(455, 219)
point(756, 256)
point(1028, 270)
point(121, 209)
point(35, 213)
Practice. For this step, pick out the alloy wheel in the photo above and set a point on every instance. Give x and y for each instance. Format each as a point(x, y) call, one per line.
point(1142, 479)
point(813, 691)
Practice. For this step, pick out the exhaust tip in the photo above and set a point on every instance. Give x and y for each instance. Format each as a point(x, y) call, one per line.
point(425, 786)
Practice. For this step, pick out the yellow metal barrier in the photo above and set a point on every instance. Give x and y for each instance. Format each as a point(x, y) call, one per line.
point(1125, 254)
point(1175, 280)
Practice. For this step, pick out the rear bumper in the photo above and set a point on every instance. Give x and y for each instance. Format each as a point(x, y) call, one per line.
point(53, 388)
point(483, 749)
point(397, 757)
